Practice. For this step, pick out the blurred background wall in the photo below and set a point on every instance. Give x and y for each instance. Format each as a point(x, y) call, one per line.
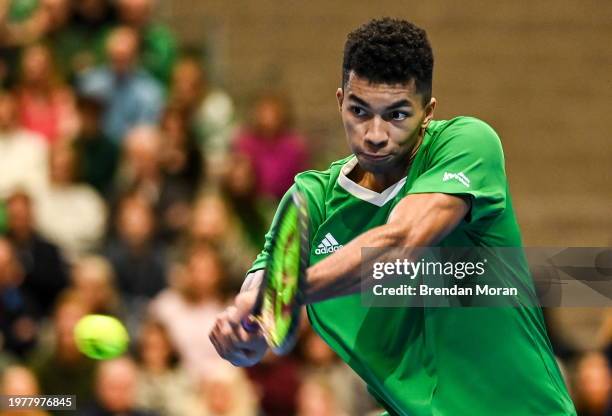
point(538, 72)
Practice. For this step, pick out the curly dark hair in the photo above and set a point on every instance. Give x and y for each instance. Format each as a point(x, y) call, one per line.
point(390, 51)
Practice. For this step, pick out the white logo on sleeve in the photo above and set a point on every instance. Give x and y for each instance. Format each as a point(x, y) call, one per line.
point(458, 176)
point(328, 245)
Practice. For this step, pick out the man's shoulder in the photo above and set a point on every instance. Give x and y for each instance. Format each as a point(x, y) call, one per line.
point(463, 133)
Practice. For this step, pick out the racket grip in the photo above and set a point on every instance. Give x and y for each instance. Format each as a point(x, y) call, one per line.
point(249, 324)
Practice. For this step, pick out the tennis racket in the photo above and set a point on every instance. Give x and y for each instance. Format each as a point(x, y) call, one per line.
point(277, 308)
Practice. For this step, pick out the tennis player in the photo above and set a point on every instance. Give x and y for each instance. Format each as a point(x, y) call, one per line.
point(411, 181)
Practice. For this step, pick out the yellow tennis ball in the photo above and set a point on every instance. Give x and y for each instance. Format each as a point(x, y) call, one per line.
point(100, 337)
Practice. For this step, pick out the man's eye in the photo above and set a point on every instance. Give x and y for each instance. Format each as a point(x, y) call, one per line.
point(358, 111)
point(398, 115)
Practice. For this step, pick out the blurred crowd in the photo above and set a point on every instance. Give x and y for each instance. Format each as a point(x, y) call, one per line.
point(130, 185)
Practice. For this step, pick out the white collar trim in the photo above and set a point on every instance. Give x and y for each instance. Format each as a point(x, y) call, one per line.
point(365, 194)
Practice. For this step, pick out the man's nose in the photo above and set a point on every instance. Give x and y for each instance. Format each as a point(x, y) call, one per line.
point(376, 134)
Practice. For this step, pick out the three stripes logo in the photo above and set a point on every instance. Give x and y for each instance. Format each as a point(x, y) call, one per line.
point(328, 245)
point(458, 176)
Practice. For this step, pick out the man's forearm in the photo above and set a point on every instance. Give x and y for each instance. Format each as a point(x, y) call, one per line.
point(339, 274)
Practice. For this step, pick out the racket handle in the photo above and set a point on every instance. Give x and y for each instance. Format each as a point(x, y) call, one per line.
point(249, 324)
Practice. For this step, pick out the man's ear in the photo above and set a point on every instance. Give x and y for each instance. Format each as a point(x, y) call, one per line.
point(430, 108)
point(340, 98)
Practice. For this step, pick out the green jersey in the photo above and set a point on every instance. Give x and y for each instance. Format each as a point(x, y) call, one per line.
point(435, 361)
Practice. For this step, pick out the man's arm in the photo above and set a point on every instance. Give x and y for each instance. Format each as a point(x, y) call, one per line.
point(418, 220)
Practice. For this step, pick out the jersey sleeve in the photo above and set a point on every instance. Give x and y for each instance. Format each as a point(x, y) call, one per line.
point(466, 158)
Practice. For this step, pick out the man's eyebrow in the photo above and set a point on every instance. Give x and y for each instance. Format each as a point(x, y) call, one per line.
point(400, 103)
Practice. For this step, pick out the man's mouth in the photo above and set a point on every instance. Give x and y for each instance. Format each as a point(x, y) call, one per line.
point(375, 157)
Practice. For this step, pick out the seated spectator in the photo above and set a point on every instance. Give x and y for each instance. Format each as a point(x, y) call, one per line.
point(18, 327)
point(210, 110)
point(43, 265)
point(188, 308)
point(142, 172)
point(163, 384)
point(330, 373)
point(182, 165)
point(239, 189)
point(593, 385)
point(58, 364)
point(98, 154)
point(137, 256)
point(70, 214)
point(215, 224)
point(131, 96)
point(275, 151)
point(46, 106)
point(19, 381)
point(226, 391)
point(116, 390)
point(277, 379)
point(93, 282)
point(158, 45)
point(23, 154)
point(316, 398)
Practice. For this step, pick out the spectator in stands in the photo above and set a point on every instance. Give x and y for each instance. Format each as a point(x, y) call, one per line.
point(163, 384)
point(276, 152)
point(19, 381)
point(59, 366)
point(98, 154)
point(23, 154)
point(43, 265)
point(277, 379)
point(239, 188)
point(210, 110)
point(70, 214)
point(130, 94)
point(142, 172)
point(226, 391)
point(182, 166)
point(18, 328)
point(316, 397)
point(93, 281)
point(46, 106)
point(80, 44)
point(158, 47)
point(322, 363)
point(116, 388)
point(214, 223)
point(137, 256)
point(188, 308)
point(593, 385)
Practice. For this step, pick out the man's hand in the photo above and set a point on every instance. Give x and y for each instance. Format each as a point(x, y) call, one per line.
point(231, 341)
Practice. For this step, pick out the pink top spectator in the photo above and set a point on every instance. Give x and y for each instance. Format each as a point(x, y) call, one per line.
point(275, 161)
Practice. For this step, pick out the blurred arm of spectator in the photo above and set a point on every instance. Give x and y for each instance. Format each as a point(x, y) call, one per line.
point(43, 265)
point(158, 45)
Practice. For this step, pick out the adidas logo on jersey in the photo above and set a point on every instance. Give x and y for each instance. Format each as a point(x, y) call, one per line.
point(328, 245)
point(458, 176)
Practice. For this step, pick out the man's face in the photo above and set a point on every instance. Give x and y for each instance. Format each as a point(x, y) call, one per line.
point(383, 122)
